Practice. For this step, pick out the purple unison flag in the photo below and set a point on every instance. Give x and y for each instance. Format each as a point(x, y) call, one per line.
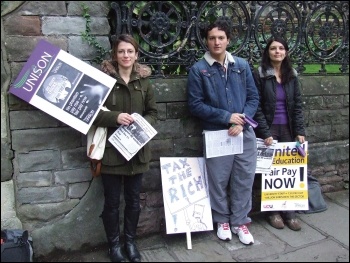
point(34, 71)
point(63, 86)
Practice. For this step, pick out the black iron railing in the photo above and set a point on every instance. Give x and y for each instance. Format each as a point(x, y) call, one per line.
point(171, 40)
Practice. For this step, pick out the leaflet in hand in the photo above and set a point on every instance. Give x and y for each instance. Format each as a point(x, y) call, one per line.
point(220, 143)
point(130, 139)
point(265, 156)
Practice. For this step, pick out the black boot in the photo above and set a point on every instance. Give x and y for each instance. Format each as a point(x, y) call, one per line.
point(111, 225)
point(131, 219)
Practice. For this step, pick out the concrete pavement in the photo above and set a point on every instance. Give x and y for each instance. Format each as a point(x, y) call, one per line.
point(324, 238)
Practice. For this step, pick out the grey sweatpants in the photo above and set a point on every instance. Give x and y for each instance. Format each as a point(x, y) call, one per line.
point(230, 180)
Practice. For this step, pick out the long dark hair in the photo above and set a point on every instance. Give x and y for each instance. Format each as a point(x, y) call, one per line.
point(287, 72)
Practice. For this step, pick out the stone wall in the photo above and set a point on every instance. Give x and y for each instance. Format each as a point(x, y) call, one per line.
point(45, 176)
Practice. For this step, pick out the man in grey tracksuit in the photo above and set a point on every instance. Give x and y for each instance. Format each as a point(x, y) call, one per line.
point(221, 92)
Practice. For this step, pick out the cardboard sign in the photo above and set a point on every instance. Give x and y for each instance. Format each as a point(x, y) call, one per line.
point(285, 187)
point(63, 86)
point(185, 194)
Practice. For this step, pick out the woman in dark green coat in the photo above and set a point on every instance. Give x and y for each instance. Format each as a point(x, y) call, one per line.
point(132, 93)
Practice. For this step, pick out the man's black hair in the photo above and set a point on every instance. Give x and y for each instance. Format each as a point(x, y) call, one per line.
point(222, 23)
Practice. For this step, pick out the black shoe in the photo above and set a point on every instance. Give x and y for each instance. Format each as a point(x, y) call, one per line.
point(116, 254)
point(132, 252)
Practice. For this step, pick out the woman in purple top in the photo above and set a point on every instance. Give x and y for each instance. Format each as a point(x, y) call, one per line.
point(279, 114)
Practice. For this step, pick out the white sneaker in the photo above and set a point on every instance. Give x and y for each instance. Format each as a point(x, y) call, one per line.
point(243, 234)
point(224, 232)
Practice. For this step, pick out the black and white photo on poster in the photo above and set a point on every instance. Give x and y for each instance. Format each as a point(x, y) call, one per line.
point(59, 83)
point(86, 99)
point(76, 93)
point(63, 86)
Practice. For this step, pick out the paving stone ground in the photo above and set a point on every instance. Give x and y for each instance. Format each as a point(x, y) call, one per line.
point(324, 238)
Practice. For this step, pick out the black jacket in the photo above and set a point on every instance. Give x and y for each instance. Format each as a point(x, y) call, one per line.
point(266, 84)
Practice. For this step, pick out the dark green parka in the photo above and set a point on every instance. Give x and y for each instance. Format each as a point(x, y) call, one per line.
point(136, 96)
